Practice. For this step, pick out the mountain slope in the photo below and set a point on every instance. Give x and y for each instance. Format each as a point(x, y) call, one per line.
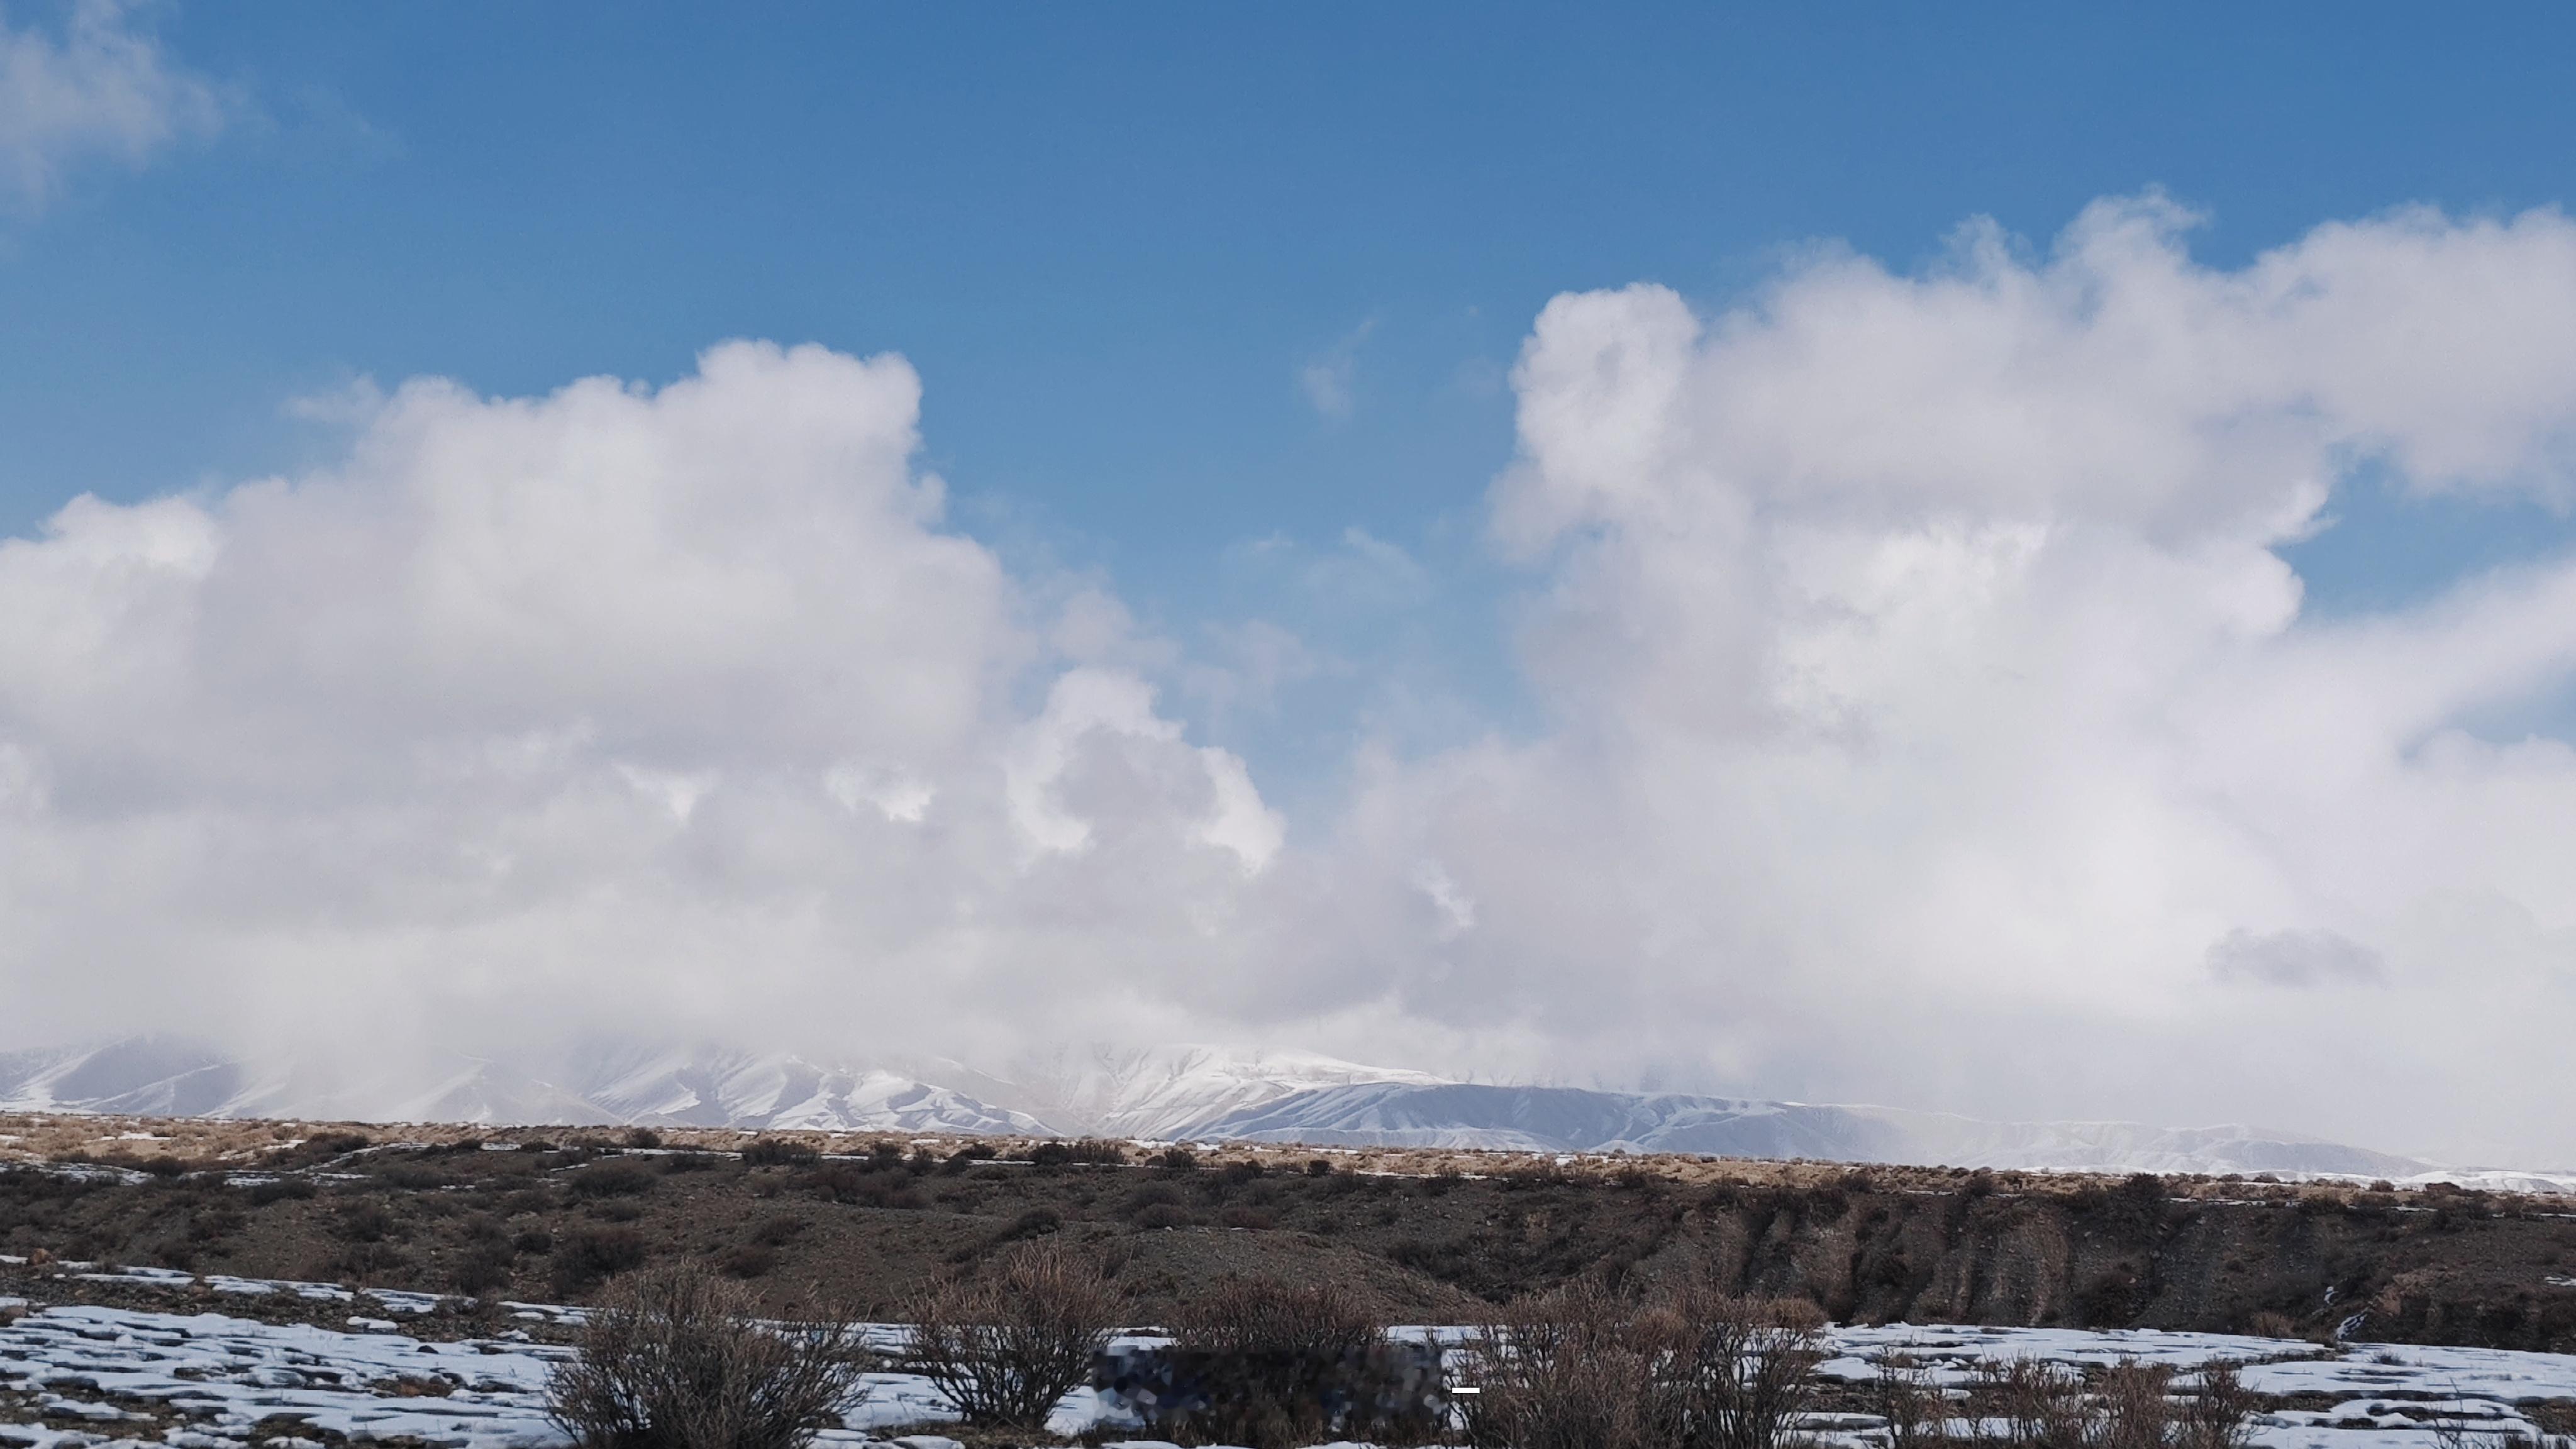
point(140, 1076)
point(1556, 1119)
point(739, 1089)
point(1161, 1093)
point(1194, 1093)
point(161, 1077)
point(1572, 1119)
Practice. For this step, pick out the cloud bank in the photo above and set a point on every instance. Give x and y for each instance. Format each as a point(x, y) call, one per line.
point(103, 89)
point(621, 709)
point(1929, 717)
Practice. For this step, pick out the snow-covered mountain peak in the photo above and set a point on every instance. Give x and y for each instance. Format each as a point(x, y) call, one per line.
point(1156, 1093)
point(1167, 1092)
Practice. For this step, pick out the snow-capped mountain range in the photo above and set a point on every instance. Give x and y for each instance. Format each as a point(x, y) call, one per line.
point(1163, 1093)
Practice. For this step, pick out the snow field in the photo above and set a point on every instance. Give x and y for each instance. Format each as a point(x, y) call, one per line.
point(114, 1378)
point(2386, 1395)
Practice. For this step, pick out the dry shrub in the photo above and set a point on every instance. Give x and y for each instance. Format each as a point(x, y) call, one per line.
point(1585, 1366)
point(1264, 1315)
point(1566, 1371)
point(2219, 1414)
point(1088, 1151)
point(2130, 1410)
point(1271, 1365)
point(617, 1177)
point(2039, 1404)
point(586, 1257)
point(1906, 1395)
point(2266, 1323)
point(779, 1152)
point(675, 1360)
point(2130, 1405)
point(1006, 1345)
point(1745, 1368)
point(482, 1268)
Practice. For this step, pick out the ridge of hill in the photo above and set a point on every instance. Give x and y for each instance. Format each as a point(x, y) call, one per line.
point(1167, 1093)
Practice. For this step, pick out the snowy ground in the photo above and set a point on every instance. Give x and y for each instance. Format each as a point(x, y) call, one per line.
point(110, 1378)
point(2374, 1396)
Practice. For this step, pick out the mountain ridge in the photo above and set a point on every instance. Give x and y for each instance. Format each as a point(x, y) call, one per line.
point(1166, 1093)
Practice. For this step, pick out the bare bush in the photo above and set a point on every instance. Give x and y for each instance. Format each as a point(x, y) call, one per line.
point(2129, 1405)
point(1272, 1365)
point(2267, 1323)
point(1087, 1151)
point(2219, 1414)
point(779, 1152)
point(1264, 1315)
point(2129, 1409)
point(1743, 1370)
point(592, 1254)
point(673, 1359)
point(1568, 1370)
point(1906, 1395)
point(617, 1177)
point(482, 1268)
point(2040, 1405)
point(1006, 1345)
point(1585, 1366)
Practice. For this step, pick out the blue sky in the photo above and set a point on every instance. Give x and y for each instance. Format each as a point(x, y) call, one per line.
point(1114, 240)
point(1931, 658)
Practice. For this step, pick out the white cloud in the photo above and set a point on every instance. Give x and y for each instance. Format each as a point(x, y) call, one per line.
point(1330, 381)
point(671, 709)
point(1327, 385)
point(1929, 716)
point(103, 89)
point(1101, 743)
point(1457, 913)
point(1370, 570)
point(895, 793)
point(1930, 708)
point(1244, 670)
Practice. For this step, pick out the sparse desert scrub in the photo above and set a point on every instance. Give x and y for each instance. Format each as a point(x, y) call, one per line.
point(1272, 1365)
point(2030, 1404)
point(674, 1359)
point(1264, 1315)
point(1744, 1368)
point(1905, 1393)
point(1930, 1245)
point(2034, 1404)
point(1566, 1370)
point(591, 1255)
point(2219, 1413)
point(1006, 1344)
point(1694, 1369)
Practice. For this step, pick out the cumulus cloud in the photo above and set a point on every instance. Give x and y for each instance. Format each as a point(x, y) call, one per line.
point(619, 707)
point(1927, 714)
point(101, 89)
point(1931, 706)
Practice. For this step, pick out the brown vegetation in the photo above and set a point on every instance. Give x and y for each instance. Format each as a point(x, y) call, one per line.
point(1271, 1365)
point(1419, 1237)
point(673, 1359)
point(1006, 1344)
point(1688, 1369)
